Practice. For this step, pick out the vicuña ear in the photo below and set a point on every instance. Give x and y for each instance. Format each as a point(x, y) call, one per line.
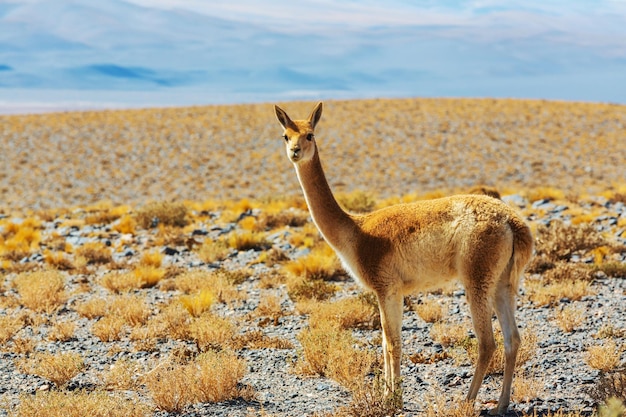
point(316, 115)
point(283, 118)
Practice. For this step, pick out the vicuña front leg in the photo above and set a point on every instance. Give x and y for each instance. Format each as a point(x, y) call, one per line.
point(391, 321)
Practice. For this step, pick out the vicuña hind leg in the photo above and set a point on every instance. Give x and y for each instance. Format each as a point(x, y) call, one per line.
point(391, 321)
point(505, 310)
point(481, 317)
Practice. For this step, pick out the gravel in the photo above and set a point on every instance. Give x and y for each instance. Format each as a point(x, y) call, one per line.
point(558, 365)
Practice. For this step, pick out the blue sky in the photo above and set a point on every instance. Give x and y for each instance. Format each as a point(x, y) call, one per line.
point(128, 53)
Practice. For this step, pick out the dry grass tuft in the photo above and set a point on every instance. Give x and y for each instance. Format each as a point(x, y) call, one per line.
point(172, 321)
point(526, 352)
point(122, 375)
point(18, 240)
point(118, 282)
point(309, 274)
point(125, 225)
point(9, 326)
point(23, 345)
point(545, 193)
point(92, 308)
point(559, 241)
point(569, 318)
point(58, 260)
point(270, 308)
point(291, 217)
point(542, 294)
point(56, 368)
point(567, 271)
point(198, 303)
point(320, 264)
point(162, 213)
point(62, 331)
point(605, 357)
point(526, 389)
point(330, 351)
point(449, 334)
point(612, 269)
point(216, 376)
point(256, 339)
point(151, 258)
point(302, 289)
point(211, 332)
point(437, 406)
point(108, 328)
point(369, 399)
point(95, 253)
point(348, 313)
point(132, 309)
point(41, 291)
point(248, 240)
point(212, 251)
point(357, 201)
point(78, 404)
point(147, 275)
point(430, 310)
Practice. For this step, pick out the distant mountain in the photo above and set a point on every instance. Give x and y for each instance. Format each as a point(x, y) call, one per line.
point(82, 53)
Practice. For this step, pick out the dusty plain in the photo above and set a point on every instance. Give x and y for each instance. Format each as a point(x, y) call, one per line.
point(195, 217)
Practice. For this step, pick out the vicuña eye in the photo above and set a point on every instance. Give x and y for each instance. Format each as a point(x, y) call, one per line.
point(309, 136)
point(286, 137)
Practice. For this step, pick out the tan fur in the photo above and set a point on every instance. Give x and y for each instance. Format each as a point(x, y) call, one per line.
point(418, 246)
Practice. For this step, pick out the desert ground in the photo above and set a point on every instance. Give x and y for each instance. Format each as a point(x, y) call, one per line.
point(162, 262)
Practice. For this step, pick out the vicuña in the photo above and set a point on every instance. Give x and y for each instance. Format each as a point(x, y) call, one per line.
point(419, 246)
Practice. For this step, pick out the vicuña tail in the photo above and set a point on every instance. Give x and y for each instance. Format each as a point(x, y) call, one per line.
point(522, 249)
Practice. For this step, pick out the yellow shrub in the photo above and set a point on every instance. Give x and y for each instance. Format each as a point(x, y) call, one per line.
point(604, 357)
point(9, 326)
point(248, 240)
point(57, 368)
point(330, 351)
point(152, 258)
point(320, 264)
point(211, 332)
point(95, 253)
point(215, 376)
point(78, 404)
point(248, 223)
point(545, 193)
point(162, 213)
point(148, 275)
point(198, 303)
point(347, 313)
point(42, 291)
point(125, 225)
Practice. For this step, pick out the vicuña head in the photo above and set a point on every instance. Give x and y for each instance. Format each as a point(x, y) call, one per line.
point(299, 134)
point(405, 248)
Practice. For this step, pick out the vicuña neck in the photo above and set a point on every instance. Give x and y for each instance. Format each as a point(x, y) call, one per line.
point(332, 221)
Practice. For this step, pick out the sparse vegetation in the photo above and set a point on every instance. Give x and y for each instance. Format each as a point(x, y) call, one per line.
point(58, 369)
point(162, 213)
point(605, 357)
point(328, 350)
point(430, 310)
point(78, 404)
point(215, 374)
point(527, 350)
point(171, 278)
point(41, 291)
